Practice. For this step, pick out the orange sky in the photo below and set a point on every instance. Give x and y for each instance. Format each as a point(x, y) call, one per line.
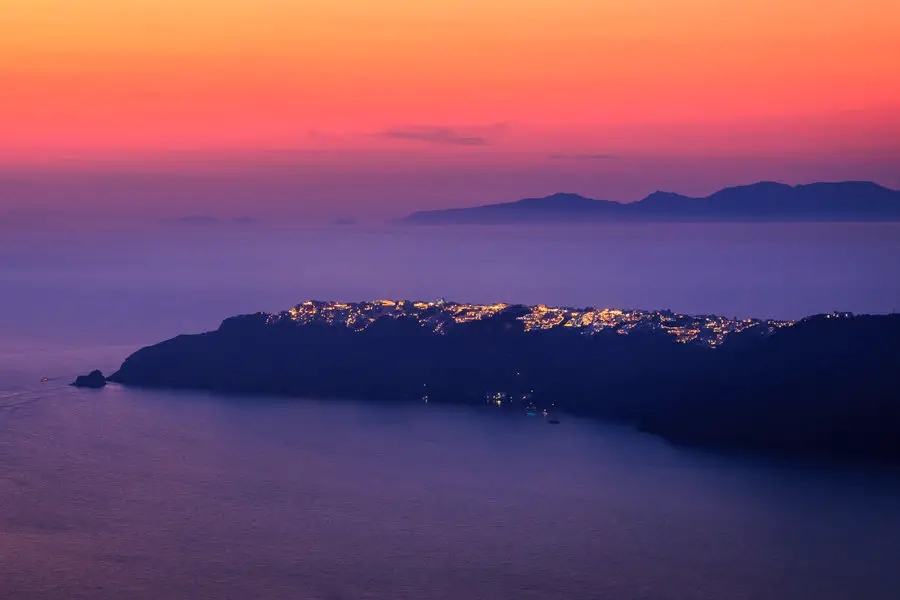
point(381, 106)
point(100, 77)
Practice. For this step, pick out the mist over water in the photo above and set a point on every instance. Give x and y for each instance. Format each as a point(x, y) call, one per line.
point(140, 286)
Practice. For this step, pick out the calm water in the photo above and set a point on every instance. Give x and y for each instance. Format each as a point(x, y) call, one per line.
point(122, 493)
point(139, 286)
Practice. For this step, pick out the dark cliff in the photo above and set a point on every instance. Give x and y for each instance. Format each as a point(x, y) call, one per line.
point(827, 385)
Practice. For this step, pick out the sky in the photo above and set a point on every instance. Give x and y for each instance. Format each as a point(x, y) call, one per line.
point(313, 109)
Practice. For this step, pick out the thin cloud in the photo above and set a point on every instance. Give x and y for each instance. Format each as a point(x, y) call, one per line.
point(447, 136)
point(209, 220)
point(583, 156)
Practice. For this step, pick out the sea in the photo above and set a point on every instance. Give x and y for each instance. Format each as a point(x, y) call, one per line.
point(129, 493)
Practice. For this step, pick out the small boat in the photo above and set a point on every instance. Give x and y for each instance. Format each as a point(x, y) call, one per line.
point(45, 379)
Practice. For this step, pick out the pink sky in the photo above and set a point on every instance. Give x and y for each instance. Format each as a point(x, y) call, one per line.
point(314, 110)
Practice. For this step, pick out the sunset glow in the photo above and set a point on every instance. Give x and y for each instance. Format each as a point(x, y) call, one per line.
point(498, 82)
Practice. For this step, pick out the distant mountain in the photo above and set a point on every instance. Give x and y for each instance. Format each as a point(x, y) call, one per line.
point(209, 220)
point(764, 201)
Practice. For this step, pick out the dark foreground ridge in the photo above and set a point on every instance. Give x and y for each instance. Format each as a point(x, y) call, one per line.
point(764, 201)
point(828, 385)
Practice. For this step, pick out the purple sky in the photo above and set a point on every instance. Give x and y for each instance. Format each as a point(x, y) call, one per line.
point(379, 188)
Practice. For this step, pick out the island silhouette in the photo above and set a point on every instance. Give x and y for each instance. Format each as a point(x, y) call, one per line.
point(764, 201)
point(826, 386)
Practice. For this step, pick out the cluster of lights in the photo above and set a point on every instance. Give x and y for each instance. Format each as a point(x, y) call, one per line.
point(708, 330)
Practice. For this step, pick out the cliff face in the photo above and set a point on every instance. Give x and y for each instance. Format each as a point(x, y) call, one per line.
point(399, 359)
point(824, 385)
point(831, 385)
